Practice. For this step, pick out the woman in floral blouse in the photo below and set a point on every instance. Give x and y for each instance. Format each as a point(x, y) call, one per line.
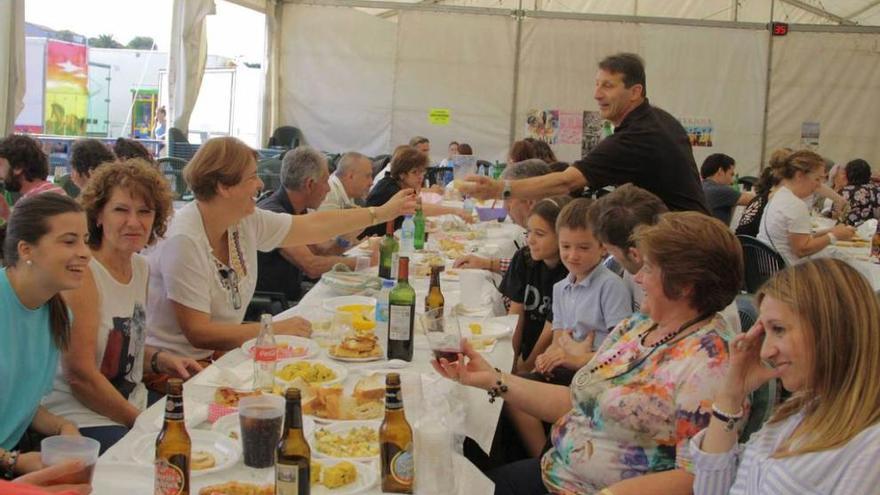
point(623, 426)
point(862, 195)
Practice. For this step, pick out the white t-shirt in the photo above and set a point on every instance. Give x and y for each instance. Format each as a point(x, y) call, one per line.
point(785, 214)
point(183, 269)
point(119, 347)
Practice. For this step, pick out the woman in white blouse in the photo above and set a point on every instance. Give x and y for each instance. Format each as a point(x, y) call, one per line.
point(203, 275)
point(819, 332)
point(99, 383)
point(786, 224)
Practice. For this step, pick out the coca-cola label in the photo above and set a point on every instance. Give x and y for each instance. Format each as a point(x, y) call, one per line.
point(170, 479)
point(402, 466)
point(265, 354)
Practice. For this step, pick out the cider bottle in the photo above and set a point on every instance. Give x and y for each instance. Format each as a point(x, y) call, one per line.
point(396, 441)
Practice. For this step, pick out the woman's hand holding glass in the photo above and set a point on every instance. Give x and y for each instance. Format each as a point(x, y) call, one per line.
point(470, 369)
point(747, 370)
point(402, 203)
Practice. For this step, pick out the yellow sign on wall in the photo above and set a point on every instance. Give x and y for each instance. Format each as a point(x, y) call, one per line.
point(439, 116)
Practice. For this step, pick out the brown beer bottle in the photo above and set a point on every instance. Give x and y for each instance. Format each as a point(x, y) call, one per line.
point(173, 446)
point(293, 456)
point(396, 441)
point(434, 299)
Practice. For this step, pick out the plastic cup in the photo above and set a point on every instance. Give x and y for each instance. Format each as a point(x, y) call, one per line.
point(471, 283)
point(261, 418)
point(443, 333)
point(57, 449)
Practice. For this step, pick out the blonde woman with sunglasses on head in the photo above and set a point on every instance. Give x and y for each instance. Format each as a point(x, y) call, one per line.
point(819, 332)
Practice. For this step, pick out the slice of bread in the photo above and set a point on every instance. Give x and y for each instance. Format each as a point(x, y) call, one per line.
point(369, 388)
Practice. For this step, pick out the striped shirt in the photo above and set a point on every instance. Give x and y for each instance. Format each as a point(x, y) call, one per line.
point(44, 187)
point(749, 470)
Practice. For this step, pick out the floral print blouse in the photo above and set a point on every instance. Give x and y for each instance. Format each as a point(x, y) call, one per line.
point(635, 415)
point(864, 203)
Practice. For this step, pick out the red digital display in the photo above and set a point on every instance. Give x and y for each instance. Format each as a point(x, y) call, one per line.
point(779, 29)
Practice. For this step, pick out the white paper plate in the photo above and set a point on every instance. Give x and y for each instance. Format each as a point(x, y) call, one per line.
point(367, 476)
point(226, 452)
point(310, 347)
point(229, 424)
point(491, 329)
point(340, 427)
point(341, 371)
point(344, 359)
point(335, 302)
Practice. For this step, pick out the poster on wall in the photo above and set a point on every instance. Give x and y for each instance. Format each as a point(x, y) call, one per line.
point(699, 130)
point(543, 125)
point(67, 89)
point(810, 134)
point(591, 131)
point(570, 127)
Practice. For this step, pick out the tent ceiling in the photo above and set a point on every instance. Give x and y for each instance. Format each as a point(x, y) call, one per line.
point(834, 12)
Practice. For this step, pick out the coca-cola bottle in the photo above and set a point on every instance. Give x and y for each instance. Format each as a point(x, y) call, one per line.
point(265, 356)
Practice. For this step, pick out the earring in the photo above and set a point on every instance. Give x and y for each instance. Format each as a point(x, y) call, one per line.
point(29, 263)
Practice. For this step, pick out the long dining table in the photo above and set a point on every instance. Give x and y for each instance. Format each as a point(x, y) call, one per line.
point(124, 467)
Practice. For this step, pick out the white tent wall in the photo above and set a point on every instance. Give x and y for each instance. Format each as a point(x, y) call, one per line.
point(12, 66)
point(558, 67)
point(713, 73)
point(337, 77)
point(460, 62)
point(832, 79)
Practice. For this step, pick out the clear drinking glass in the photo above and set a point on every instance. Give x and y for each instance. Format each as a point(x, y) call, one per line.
point(443, 333)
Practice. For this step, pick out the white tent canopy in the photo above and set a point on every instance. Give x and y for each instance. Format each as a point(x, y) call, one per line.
point(363, 75)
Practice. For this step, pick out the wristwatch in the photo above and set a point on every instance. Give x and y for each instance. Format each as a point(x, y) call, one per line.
point(505, 193)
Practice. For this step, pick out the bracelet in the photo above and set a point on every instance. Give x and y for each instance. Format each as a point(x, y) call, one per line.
point(832, 239)
point(9, 459)
point(154, 362)
point(499, 388)
point(728, 419)
point(374, 218)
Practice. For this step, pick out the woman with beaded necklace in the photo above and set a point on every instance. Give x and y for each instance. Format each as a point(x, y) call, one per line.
point(623, 425)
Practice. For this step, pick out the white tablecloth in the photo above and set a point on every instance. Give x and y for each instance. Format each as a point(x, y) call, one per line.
point(116, 472)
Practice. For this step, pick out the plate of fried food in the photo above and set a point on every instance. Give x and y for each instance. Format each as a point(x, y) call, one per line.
point(332, 404)
point(312, 371)
point(328, 477)
point(211, 451)
point(289, 346)
point(357, 347)
point(354, 441)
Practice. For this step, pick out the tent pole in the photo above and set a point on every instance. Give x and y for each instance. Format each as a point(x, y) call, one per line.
point(767, 87)
point(516, 55)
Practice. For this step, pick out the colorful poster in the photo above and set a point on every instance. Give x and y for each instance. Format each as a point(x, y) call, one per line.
point(591, 131)
point(810, 134)
point(67, 89)
point(699, 130)
point(543, 125)
point(570, 127)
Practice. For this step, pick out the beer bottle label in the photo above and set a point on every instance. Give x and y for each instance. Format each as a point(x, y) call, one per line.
point(265, 354)
point(174, 408)
point(170, 479)
point(286, 480)
point(399, 322)
point(392, 399)
point(402, 466)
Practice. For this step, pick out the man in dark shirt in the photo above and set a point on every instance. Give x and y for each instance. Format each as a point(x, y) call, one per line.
point(649, 148)
point(304, 186)
point(717, 172)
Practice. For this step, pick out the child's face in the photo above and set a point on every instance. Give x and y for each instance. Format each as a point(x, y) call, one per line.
point(542, 239)
point(579, 251)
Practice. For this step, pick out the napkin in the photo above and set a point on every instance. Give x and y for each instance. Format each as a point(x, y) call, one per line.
point(195, 413)
point(866, 229)
point(238, 376)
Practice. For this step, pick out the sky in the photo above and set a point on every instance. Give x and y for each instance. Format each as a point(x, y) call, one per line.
point(233, 32)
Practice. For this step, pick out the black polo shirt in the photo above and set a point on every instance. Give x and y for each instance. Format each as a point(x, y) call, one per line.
point(274, 272)
point(650, 149)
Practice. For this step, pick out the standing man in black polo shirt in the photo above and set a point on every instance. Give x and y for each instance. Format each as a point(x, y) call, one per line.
point(649, 148)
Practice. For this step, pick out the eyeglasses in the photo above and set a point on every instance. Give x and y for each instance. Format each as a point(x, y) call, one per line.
point(230, 282)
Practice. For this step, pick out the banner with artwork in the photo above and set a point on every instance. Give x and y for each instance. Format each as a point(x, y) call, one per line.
point(543, 125)
point(699, 130)
point(810, 134)
point(67, 89)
